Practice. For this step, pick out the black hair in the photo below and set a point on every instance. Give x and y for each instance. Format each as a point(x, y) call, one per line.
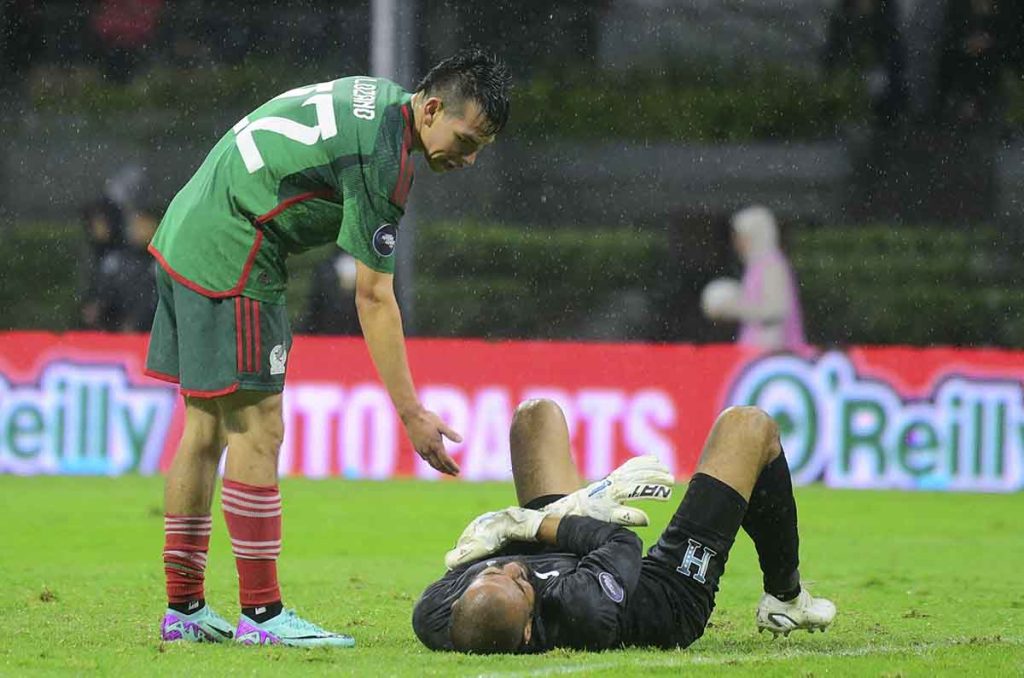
point(473, 74)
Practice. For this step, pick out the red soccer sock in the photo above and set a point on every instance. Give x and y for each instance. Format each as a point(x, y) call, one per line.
point(253, 515)
point(186, 541)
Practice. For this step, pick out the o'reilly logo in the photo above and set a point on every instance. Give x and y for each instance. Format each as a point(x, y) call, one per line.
point(851, 430)
point(82, 419)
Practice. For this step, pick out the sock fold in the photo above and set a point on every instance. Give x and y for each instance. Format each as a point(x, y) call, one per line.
point(186, 543)
point(253, 516)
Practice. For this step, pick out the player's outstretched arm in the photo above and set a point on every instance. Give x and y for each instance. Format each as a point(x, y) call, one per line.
point(381, 321)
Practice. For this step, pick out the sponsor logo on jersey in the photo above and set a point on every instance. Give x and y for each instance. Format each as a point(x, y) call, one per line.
point(385, 238)
point(611, 588)
point(278, 357)
point(546, 575)
point(364, 98)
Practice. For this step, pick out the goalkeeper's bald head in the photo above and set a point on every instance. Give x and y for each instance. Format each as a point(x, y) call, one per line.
point(495, 613)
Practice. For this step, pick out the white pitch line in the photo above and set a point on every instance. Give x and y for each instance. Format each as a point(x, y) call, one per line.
point(722, 660)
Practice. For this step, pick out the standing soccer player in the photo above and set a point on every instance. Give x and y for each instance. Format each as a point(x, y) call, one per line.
point(326, 163)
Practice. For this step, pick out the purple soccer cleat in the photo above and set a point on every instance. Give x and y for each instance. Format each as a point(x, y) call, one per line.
point(202, 626)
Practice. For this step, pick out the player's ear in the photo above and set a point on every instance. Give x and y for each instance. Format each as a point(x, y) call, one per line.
point(528, 631)
point(432, 108)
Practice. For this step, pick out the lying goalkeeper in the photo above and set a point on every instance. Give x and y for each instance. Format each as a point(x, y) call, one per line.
point(561, 572)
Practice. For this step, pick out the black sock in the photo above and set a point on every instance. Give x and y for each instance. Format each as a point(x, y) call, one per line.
point(189, 606)
point(771, 522)
point(262, 613)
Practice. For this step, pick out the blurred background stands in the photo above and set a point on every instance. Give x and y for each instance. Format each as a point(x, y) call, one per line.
point(885, 135)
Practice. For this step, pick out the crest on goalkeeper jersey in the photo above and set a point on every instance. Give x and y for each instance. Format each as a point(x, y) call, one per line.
point(611, 588)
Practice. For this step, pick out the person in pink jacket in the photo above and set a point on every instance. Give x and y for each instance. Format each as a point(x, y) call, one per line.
point(767, 305)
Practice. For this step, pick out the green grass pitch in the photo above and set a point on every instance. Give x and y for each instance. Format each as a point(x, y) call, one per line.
point(926, 584)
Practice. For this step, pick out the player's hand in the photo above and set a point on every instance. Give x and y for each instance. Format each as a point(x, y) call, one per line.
point(489, 532)
point(425, 430)
point(639, 478)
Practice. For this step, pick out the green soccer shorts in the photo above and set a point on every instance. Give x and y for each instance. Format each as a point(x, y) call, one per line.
point(212, 347)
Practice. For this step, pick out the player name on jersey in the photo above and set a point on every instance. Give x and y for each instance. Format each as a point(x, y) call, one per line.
point(364, 98)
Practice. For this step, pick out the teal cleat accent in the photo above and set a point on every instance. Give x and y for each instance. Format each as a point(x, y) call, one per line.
point(288, 629)
point(202, 626)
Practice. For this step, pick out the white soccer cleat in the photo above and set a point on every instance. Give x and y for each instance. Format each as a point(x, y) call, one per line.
point(803, 612)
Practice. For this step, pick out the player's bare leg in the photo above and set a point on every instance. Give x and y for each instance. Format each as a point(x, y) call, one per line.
point(741, 443)
point(193, 474)
point(254, 425)
point(188, 494)
point(542, 463)
point(741, 478)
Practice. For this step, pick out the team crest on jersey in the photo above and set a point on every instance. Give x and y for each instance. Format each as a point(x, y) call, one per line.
point(384, 240)
point(611, 588)
point(278, 357)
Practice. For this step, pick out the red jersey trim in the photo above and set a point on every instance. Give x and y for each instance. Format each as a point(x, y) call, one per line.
point(249, 260)
point(285, 204)
point(405, 169)
point(199, 289)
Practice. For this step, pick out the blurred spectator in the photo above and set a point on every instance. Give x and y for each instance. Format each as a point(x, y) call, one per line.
point(124, 29)
point(125, 280)
point(104, 233)
point(980, 38)
point(331, 308)
point(766, 302)
point(864, 36)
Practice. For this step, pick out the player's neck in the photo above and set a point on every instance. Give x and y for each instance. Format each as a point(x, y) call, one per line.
point(416, 108)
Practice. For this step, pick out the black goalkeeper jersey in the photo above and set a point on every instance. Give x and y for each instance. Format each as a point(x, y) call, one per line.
point(595, 591)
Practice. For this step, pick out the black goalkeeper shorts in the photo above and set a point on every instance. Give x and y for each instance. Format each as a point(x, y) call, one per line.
point(679, 577)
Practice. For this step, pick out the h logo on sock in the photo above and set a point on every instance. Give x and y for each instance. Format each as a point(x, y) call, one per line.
point(691, 558)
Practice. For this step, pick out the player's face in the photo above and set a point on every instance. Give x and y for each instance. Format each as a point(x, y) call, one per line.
point(452, 139)
point(512, 577)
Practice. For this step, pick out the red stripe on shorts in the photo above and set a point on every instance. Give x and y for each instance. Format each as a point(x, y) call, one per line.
point(256, 331)
point(238, 332)
point(248, 333)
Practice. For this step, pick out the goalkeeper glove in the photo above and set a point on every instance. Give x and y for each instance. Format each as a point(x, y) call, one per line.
point(489, 532)
point(639, 478)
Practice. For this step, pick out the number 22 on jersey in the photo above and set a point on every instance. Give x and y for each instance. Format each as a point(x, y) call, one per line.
point(326, 126)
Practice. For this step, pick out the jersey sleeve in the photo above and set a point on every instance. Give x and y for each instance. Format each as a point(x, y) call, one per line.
point(369, 227)
point(375, 189)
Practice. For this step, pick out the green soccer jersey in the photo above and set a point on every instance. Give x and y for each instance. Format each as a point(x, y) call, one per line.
point(318, 164)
